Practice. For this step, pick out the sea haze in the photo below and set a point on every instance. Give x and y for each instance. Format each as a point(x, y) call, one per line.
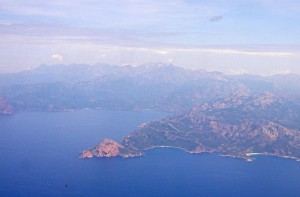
point(40, 151)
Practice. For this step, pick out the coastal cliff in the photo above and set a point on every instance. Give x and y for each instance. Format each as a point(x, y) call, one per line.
point(109, 148)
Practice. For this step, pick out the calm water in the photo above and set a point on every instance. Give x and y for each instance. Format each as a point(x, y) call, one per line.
point(39, 157)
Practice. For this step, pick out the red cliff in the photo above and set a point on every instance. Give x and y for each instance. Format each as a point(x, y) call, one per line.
point(108, 148)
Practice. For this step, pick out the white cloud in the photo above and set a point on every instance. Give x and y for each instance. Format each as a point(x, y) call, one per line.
point(280, 72)
point(57, 57)
point(237, 71)
point(236, 52)
point(162, 52)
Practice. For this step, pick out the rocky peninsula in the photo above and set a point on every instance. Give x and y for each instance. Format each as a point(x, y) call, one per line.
point(236, 127)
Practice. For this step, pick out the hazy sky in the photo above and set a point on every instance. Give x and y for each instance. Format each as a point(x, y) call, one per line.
point(232, 36)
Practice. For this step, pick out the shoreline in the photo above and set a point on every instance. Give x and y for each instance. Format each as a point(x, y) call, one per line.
point(274, 155)
point(245, 156)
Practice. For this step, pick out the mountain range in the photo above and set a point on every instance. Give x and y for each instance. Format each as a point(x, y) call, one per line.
point(150, 86)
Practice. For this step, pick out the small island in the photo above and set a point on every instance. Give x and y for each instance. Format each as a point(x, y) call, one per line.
point(6, 108)
point(236, 127)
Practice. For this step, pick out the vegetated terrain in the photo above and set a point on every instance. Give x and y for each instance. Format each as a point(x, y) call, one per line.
point(212, 112)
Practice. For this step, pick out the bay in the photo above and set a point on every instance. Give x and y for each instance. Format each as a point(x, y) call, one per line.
point(39, 157)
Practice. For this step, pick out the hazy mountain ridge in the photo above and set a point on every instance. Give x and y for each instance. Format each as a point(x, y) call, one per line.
point(149, 86)
point(153, 86)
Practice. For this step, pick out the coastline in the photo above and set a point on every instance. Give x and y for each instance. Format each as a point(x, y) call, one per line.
point(274, 155)
point(249, 157)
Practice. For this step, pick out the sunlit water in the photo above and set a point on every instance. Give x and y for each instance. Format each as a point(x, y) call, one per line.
point(39, 157)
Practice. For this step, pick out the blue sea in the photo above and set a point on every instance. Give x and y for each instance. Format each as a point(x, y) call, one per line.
point(39, 157)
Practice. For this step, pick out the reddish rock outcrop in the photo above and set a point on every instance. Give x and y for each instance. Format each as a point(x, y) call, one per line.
point(109, 148)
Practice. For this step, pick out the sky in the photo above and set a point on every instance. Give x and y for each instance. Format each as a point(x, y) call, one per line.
point(231, 36)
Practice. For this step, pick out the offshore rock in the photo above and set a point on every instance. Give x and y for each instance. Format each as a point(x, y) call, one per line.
point(5, 107)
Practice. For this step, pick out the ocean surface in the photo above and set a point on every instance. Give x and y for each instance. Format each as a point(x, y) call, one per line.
point(39, 157)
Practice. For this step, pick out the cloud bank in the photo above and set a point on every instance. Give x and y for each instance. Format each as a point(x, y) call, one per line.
point(256, 36)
